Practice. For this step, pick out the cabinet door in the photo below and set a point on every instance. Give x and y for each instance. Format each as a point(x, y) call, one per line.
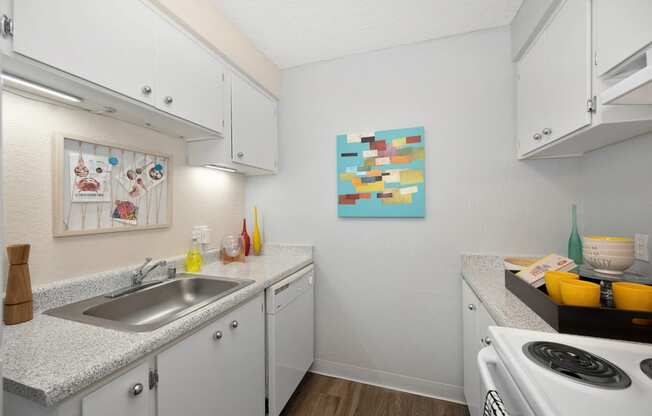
point(471, 347)
point(253, 126)
point(531, 110)
point(246, 363)
point(554, 79)
point(622, 28)
point(568, 54)
point(120, 397)
point(189, 79)
point(209, 375)
point(482, 323)
point(110, 43)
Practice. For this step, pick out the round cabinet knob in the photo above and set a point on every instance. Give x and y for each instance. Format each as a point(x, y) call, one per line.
point(137, 389)
point(471, 307)
point(240, 155)
point(537, 136)
point(547, 132)
point(235, 324)
point(147, 90)
point(218, 335)
point(168, 100)
point(486, 341)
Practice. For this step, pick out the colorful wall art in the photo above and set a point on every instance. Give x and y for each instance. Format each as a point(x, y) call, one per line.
point(381, 174)
point(100, 187)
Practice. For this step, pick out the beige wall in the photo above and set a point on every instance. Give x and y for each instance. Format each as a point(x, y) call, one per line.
point(201, 196)
point(206, 21)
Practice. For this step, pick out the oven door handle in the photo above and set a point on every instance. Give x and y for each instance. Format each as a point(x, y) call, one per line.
point(487, 357)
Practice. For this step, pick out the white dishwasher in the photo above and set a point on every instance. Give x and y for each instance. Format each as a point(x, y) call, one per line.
point(290, 336)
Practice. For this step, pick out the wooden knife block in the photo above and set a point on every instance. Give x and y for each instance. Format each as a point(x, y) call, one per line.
point(18, 298)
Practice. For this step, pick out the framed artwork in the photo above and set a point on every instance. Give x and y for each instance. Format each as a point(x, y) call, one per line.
point(381, 174)
point(101, 187)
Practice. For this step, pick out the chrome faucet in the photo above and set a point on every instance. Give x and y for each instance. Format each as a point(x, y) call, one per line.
point(142, 272)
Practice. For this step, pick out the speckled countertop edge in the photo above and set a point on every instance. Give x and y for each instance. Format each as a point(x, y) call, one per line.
point(49, 359)
point(485, 275)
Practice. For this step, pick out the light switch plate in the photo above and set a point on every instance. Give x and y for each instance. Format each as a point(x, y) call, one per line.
point(641, 251)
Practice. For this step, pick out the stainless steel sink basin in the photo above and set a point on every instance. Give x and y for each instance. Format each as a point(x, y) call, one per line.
point(153, 306)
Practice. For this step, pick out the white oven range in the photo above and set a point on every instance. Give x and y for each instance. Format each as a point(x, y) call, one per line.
point(544, 374)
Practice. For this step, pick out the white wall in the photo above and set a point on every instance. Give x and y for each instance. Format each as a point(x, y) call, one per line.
point(616, 190)
point(388, 290)
point(201, 196)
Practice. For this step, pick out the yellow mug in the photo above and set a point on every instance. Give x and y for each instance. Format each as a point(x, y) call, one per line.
point(552, 283)
point(580, 293)
point(633, 297)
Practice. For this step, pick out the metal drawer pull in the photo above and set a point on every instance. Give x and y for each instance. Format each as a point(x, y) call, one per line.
point(218, 335)
point(471, 307)
point(147, 90)
point(547, 132)
point(235, 324)
point(137, 389)
point(168, 100)
point(486, 341)
point(537, 136)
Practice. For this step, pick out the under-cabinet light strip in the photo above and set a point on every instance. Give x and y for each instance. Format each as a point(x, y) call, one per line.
point(17, 81)
point(222, 168)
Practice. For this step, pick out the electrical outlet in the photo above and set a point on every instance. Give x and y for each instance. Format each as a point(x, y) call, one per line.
point(640, 247)
point(202, 234)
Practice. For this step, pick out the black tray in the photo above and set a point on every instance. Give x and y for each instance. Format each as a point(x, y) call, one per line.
point(603, 322)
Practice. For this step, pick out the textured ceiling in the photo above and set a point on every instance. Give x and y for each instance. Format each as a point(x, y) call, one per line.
point(296, 32)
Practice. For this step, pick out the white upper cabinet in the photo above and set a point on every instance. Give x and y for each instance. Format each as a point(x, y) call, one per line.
point(623, 28)
point(189, 80)
point(567, 42)
point(564, 108)
point(532, 109)
point(127, 47)
point(110, 43)
point(554, 79)
point(253, 125)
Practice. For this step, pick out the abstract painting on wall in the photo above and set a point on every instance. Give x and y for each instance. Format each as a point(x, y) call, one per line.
point(381, 174)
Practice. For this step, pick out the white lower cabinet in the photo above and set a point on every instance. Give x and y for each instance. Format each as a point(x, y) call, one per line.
point(475, 332)
point(219, 370)
point(127, 395)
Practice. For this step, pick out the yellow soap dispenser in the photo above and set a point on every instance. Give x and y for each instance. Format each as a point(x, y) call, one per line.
point(193, 258)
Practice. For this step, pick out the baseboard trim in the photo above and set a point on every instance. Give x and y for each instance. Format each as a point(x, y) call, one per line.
point(389, 380)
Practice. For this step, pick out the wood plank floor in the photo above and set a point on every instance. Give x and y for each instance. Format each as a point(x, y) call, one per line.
point(327, 396)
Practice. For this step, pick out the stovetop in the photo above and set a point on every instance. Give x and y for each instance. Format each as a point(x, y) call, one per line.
point(577, 364)
point(561, 374)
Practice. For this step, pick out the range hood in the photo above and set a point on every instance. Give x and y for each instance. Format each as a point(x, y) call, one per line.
point(631, 82)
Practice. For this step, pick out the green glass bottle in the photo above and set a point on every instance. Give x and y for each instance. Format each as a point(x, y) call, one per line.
point(575, 242)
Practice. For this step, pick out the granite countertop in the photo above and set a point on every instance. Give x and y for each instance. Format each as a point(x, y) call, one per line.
point(49, 359)
point(486, 277)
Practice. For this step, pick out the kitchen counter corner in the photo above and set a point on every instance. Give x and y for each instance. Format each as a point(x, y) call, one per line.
point(485, 275)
